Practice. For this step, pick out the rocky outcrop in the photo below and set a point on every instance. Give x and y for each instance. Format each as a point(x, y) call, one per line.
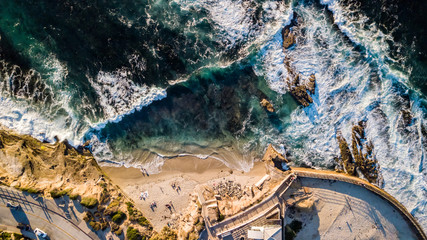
point(346, 157)
point(298, 88)
point(267, 105)
point(299, 91)
point(361, 159)
point(363, 153)
point(288, 37)
point(272, 154)
point(311, 85)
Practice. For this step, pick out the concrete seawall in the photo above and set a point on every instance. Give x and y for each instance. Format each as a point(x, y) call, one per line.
point(330, 175)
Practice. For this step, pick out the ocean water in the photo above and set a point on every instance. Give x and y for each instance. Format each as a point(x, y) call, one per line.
point(148, 80)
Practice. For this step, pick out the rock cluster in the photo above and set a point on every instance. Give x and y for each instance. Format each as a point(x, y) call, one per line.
point(229, 189)
point(361, 158)
point(298, 88)
point(288, 37)
point(267, 105)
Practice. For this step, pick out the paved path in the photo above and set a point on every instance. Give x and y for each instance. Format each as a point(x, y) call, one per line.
point(324, 174)
point(56, 218)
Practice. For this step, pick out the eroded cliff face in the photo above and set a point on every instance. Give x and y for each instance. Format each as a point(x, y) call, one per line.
point(359, 158)
point(28, 163)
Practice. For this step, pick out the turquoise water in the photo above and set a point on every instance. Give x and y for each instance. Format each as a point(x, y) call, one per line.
point(148, 80)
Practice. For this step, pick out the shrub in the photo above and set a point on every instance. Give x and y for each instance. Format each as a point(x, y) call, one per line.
point(133, 234)
point(119, 232)
point(165, 234)
point(130, 208)
point(118, 217)
point(143, 222)
point(95, 225)
point(89, 202)
point(73, 196)
point(55, 193)
point(30, 190)
point(88, 216)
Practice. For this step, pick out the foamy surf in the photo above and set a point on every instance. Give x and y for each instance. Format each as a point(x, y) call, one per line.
point(351, 87)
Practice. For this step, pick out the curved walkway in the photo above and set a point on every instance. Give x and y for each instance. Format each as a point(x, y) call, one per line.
point(252, 213)
point(330, 175)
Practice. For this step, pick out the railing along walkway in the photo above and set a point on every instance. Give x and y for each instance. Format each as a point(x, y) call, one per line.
point(254, 212)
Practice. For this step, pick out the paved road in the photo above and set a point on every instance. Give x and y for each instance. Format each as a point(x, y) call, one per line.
point(55, 217)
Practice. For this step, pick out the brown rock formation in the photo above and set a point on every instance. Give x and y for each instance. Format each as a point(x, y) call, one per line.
point(346, 157)
point(361, 157)
point(311, 85)
point(298, 89)
point(267, 105)
point(272, 154)
point(363, 153)
point(288, 37)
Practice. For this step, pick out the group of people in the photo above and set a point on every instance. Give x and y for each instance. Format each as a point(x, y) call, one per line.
point(144, 195)
point(176, 187)
point(144, 172)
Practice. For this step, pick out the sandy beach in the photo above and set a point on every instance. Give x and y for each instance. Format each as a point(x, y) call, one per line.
point(186, 172)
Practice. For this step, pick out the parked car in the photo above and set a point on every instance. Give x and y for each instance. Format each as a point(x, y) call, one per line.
point(13, 205)
point(39, 233)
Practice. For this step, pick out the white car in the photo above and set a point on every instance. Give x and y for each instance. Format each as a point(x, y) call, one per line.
point(40, 233)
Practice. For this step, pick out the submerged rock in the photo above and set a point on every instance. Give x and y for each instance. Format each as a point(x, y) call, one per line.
point(267, 105)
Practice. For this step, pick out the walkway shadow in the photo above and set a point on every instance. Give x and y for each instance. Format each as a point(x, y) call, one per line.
point(63, 203)
point(20, 216)
point(42, 203)
point(308, 228)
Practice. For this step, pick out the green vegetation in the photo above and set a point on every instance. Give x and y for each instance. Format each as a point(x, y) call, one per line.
point(88, 216)
point(133, 234)
point(118, 217)
point(55, 193)
point(73, 196)
point(5, 235)
point(95, 225)
point(9, 236)
point(89, 202)
point(292, 229)
point(118, 232)
point(30, 190)
point(165, 234)
point(219, 216)
point(114, 203)
point(136, 216)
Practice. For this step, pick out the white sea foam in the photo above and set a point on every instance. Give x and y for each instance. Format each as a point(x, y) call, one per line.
point(23, 118)
point(119, 95)
point(237, 22)
point(349, 89)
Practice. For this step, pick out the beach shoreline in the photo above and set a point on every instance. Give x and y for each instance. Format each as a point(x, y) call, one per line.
point(187, 172)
